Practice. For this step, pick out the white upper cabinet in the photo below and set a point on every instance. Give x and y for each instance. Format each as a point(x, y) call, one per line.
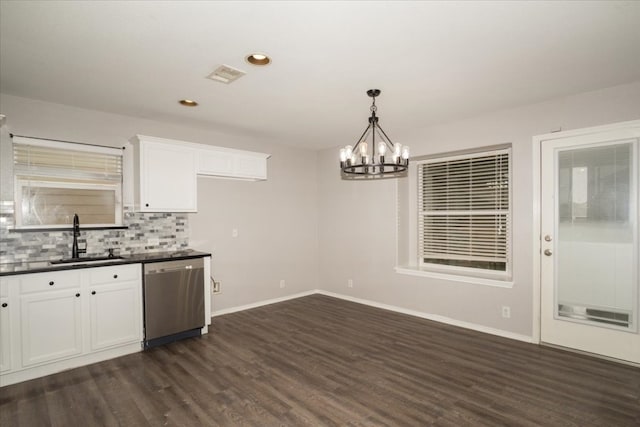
point(228, 163)
point(164, 176)
point(166, 171)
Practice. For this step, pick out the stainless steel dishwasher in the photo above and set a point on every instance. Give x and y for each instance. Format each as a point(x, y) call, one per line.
point(173, 300)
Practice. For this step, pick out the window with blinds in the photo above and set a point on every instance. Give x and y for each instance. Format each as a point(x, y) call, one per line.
point(55, 180)
point(465, 211)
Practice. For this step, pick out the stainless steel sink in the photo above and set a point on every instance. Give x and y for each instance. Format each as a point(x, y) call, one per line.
point(87, 260)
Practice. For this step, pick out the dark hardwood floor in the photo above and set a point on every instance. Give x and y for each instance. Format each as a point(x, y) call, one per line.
point(321, 361)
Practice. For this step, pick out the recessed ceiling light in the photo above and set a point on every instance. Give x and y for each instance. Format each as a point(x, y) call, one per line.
point(258, 59)
point(188, 103)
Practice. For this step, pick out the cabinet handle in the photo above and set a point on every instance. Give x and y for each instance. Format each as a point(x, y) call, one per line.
point(93, 292)
point(51, 283)
point(4, 304)
point(146, 204)
point(115, 276)
point(77, 295)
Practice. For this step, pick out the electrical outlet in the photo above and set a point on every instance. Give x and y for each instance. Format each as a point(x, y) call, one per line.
point(350, 283)
point(506, 311)
point(216, 288)
point(234, 232)
point(282, 284)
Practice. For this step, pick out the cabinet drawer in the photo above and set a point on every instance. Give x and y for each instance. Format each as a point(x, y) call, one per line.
point(115, 274)
point(38, 282)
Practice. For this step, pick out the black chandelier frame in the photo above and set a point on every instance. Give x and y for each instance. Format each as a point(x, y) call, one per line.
point(381, 165)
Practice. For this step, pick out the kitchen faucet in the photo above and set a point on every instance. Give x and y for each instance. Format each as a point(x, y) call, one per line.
point(75, 251)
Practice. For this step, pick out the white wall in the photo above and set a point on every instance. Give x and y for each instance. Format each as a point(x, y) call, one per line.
point(313, 230)
point(357, 225)
point(277, 219)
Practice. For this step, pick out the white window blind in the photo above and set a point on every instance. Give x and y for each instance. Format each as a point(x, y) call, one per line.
point(55, 180)
point(464, 211)
point(32, 158)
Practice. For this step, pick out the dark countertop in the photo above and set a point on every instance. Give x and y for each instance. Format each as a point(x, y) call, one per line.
point(144, 258)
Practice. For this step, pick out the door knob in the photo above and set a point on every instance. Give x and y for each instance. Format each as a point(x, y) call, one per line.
point(547, 252)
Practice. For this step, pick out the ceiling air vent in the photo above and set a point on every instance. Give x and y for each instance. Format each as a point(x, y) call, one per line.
point(226, 74)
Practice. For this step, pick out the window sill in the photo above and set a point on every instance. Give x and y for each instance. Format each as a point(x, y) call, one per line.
point(415, 271)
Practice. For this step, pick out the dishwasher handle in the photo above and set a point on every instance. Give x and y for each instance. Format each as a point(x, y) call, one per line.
point(172, 266)
point(169, 269)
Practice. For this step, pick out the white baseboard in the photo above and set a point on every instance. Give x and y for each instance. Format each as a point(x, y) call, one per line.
point(434, 317)
point(261, 303)
point(429, 316)
point(30, 373)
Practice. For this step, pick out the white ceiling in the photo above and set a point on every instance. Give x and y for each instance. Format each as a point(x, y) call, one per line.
point(433, 61)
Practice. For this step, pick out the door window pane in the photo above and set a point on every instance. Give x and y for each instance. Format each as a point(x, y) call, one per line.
point(596, 256)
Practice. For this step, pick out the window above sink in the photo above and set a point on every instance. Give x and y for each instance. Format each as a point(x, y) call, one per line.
point(53, 180)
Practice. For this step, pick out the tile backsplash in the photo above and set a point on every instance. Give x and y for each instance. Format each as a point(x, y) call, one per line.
point(146, 232)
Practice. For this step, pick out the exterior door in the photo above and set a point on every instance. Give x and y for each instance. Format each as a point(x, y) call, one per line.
point(589, 230)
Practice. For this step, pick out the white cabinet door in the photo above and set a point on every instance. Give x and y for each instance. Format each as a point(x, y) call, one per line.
point(116, 313)
point(232, 164)
point(51, 325)
point(5, 327)
point(166, 178)
point(216, 163)
point(251, 167)
point(5, 334)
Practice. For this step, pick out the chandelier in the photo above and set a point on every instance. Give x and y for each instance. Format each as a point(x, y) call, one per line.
point(374, 155)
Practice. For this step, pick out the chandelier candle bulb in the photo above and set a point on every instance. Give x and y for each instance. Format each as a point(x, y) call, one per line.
point(397, 152)
point(363, 149)
point(405, 153)
point(343, 155)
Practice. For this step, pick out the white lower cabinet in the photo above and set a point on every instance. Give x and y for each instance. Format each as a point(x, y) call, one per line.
point(50, 325)
point(115, 314)
point(5, 329)
point(65, 319)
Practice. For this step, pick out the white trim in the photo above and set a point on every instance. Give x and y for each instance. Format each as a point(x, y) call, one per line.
point(536, 162)
point(586, 131)
point(24, 374)
point(415, 271)
point(447, 157)
point(420, 314)
point(434, 317)
point(257, 304)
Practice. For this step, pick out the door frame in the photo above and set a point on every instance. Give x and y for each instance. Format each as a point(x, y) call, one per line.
point(537, 141)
